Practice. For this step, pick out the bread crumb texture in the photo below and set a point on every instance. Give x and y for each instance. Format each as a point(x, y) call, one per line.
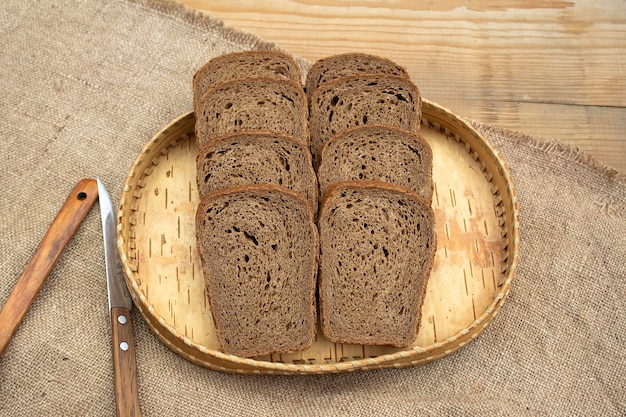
point(377, 245)
point(259, 249)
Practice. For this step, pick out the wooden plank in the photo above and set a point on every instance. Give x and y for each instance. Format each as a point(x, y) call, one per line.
point(594, 129)
point(548, 68)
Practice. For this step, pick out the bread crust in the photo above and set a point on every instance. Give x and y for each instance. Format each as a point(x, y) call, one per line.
point(400, 133)
point(300, 128)
point(330, 114)
point(246, 59)
point(334, 332)
point(309, 182)
point(370, 184)
point(343, 63)
point(309, 281)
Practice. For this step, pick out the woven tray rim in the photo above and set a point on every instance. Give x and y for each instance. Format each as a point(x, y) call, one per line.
point(433, 117)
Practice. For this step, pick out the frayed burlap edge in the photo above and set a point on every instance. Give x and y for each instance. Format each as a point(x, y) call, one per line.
point(554, 147)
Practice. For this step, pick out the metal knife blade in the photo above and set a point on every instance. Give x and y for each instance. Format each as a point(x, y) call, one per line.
point(120, 304)
point(118, 292)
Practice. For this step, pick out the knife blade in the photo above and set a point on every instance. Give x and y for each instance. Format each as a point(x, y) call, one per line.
point(120, 305)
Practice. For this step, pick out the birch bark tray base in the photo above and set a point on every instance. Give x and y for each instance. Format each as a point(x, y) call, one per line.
point(476, 210)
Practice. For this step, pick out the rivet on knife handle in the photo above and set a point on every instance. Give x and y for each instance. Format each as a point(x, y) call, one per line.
point(127, 403)
point(74, 210)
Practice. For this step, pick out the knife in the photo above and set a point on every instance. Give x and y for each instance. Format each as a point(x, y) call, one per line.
point(65, 224)
point(120, 304)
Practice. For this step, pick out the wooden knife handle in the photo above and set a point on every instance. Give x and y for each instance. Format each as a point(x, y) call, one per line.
point(125, 366)
point(76, 207)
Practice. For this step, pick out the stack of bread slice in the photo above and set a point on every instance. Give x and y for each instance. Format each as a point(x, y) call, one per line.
point(272, 162)
point(255, 227)
point(376, 224)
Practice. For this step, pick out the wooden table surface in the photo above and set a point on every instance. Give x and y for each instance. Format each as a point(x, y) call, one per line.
point(550, 68)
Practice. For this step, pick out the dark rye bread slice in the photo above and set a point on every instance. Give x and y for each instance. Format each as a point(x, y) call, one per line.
point(257, 158)
point(259, 251)
point(361, 100)
point(377, 245)
point(261, 63)
point(381, 153)
point(353, 63)
point(249, 104)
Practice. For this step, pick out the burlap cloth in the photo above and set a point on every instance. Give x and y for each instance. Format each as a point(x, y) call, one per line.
point(85, 84)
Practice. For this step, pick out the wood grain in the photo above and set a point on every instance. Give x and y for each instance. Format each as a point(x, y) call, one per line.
point(67, 221)
point(124, 362)
point(553, 69)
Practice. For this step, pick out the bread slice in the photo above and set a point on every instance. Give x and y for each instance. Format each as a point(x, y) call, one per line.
point(381, 153)
point(377, 244)
point(260, 63)
point(354, 63)
point(257, 158)
point(252, 104)
point(259, 251)
point(361, 100)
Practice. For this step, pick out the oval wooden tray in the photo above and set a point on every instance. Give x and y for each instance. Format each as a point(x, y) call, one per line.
point(476, 210)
